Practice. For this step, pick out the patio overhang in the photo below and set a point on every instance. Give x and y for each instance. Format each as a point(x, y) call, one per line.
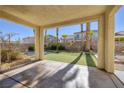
point(16, 19)
point(40, 17)
point(49, 16)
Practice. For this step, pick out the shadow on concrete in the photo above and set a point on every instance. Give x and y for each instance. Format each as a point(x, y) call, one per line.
point(59, 79)
point(97, 78)
point(41, 76)
point(90, 61)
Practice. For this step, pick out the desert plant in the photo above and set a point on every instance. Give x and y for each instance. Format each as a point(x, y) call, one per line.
point(3, 55)
point(13, 55)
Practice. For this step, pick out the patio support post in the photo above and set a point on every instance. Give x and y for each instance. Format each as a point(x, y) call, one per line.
point(101, 43)
point(109, 43)
point(39, 43)
point(109, 38)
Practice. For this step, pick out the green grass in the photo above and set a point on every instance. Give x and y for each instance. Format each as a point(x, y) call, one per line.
point(88, 59)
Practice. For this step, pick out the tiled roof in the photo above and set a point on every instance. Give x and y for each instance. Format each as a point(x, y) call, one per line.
point(83, 32)
point(120, 33)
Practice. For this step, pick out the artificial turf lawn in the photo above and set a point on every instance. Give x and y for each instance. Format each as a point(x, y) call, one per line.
point(88, 59)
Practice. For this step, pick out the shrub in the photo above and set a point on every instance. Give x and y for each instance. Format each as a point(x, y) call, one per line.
point(54, 47)
point(4, 55)
point(13, 55)
point(46, 47)
point(61, 47)
point(31, 48)
point(119, 39)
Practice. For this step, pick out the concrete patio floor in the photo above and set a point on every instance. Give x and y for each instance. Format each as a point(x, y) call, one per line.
point(52, 74)
point(120, 75)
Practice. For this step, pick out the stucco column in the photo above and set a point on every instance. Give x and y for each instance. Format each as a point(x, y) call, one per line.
point(39, 43)
point(101, 43)
point(109, 42)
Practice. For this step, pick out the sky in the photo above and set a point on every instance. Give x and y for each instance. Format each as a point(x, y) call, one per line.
point(23, 31)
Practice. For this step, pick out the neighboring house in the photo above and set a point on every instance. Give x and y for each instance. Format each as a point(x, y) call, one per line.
point(31, 40)
point(50, 39)
point(26, 43)
point(78, 35)
point(119, 45)
point(68, 39)
point(119, 34)
point(95, 35)
point(28, 40)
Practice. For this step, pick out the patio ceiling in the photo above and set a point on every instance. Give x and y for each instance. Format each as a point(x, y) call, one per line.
point(49, 15)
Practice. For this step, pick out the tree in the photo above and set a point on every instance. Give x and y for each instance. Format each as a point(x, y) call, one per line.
point(0, 46)
point(45, 39)
point(57, 41)
point(64, 37)
point(6, 40)
point(2, 37)
point(45, 36)
point(87, 49)
point(82, 45)
point(91, 35)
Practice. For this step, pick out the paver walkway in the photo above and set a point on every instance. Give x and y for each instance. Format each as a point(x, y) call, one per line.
point(52, 74)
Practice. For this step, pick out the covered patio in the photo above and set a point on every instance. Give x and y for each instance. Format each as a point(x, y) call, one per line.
point(46, 73)
point(52, 74)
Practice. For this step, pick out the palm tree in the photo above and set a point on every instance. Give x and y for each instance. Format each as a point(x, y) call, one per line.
point(88, 38)
point(64, 37)
point(91, 35)
point(45, 37)
point(57, 41)
point(0, 46)
point(82, 37)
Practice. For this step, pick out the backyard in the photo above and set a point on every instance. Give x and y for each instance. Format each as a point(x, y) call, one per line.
point(84, 58)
